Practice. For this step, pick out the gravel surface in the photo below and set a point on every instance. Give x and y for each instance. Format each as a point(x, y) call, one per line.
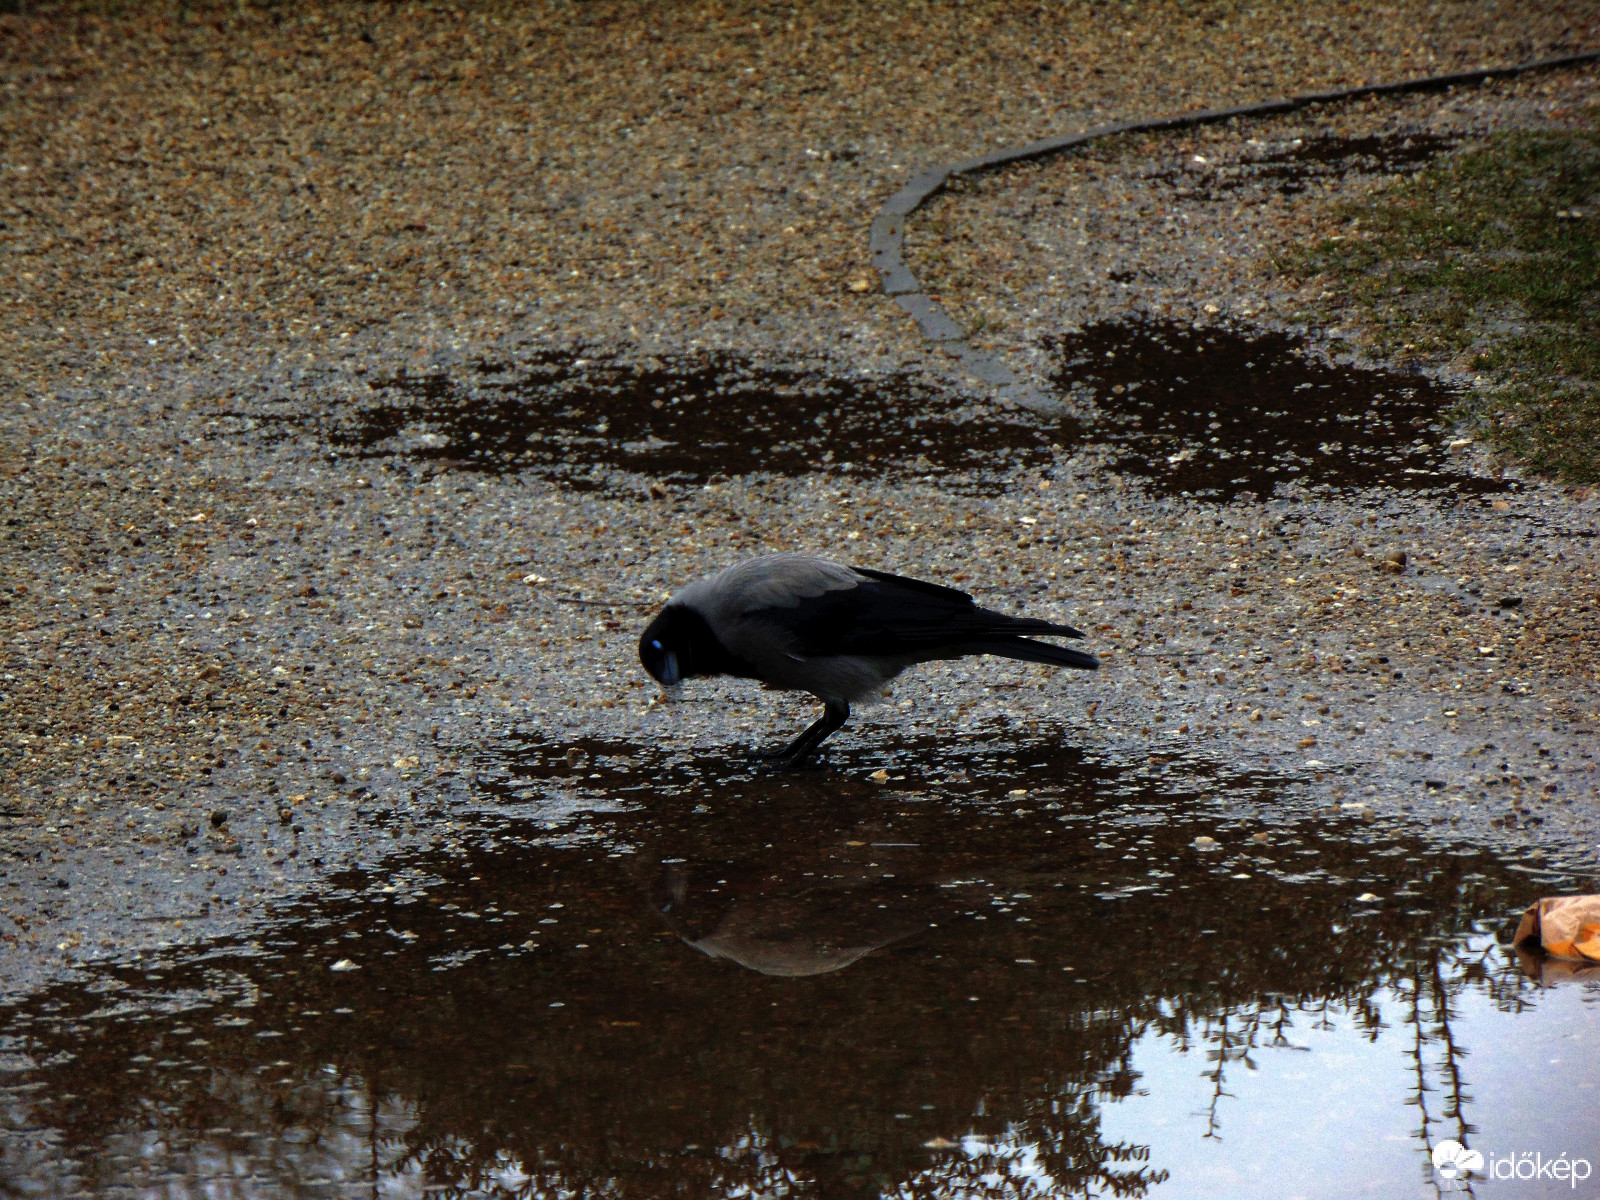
point(234, 662)
point(1025, 253)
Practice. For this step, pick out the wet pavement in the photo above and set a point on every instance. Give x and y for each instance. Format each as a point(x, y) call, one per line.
point(995, 965)
point(1290, 166)
point(1219, 413)
point(1212, 413)
point(601, 424)
point(345, 849)
point(1206, 942)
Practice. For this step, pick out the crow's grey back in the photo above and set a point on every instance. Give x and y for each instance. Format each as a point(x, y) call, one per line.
point(774, 581)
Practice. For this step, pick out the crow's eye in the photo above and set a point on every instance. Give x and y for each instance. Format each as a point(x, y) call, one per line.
point(655, 645)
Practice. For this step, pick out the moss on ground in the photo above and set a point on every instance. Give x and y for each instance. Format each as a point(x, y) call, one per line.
point(1489, 255)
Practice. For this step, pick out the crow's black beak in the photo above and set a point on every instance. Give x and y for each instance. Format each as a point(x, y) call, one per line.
point(669, 676)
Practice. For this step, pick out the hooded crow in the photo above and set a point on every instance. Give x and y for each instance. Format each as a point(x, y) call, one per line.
point(806, 624)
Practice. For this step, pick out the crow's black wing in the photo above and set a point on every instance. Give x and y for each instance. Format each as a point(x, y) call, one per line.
point(949, 594)
point(890, 615)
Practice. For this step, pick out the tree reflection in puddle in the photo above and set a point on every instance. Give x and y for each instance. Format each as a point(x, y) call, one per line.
point(719, 983)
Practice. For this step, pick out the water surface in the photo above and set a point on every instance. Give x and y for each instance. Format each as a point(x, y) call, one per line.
point(1217, 413)
point(1001, 967)
point(593, 422)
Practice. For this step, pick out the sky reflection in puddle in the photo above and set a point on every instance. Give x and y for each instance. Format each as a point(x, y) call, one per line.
point(1010, 970)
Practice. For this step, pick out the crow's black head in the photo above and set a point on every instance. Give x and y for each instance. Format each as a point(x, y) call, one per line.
point(679, 645)
point(658, 650)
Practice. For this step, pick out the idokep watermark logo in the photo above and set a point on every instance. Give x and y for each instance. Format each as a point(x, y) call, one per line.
point(1453, 1163)
point(1452, 1160)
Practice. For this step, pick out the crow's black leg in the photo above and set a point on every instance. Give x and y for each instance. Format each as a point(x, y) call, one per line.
point(834, 714)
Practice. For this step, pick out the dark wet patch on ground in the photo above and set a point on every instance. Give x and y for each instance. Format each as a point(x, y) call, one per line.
point(1217, 413)
point(1292, 167)
point(651, 976)
point(1213, 414)
point(594, 423)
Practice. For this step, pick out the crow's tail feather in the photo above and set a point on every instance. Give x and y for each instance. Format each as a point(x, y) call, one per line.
point(1030, 651)
point(999, 624)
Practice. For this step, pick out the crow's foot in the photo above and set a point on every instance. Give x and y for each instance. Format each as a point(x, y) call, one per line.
point(805, 761)
point(784, 758)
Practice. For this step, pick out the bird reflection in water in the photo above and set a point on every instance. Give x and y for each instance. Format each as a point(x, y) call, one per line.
point(796, 922)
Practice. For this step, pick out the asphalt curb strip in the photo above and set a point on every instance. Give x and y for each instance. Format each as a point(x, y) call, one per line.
point(887, 236)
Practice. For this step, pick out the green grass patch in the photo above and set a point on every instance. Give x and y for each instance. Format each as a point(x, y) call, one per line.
point(1491, 255)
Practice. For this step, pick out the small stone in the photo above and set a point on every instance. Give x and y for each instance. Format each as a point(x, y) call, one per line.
point(344, 964)
point(1393, 562)
point(1368, 898)
point(575, 756)
point(1205, 843)
point(879, 776)
point(219, 818)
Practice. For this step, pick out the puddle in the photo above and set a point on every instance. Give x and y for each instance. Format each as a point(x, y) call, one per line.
point(592, 423)
point(1294, 166)
point(1213, 414)
point(1008, 971)
point(1216, 413)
